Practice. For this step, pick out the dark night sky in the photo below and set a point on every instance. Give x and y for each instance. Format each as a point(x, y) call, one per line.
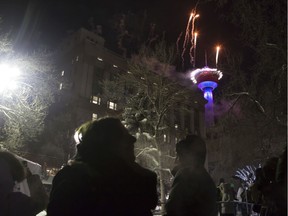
point(51, 20)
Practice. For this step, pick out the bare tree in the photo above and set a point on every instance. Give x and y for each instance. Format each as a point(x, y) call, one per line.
point(251, 109)
point(24, 109)
point(150, 91)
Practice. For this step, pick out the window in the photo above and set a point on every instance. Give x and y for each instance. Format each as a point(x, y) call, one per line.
point(62, 73)
point(94, 116)
point(96, 100)
point(112, 105)
point(61, 86)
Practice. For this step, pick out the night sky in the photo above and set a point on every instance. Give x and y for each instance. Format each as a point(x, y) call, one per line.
point(49, 21)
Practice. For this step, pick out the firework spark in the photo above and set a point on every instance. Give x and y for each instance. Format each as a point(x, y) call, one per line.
point(186, 38)
point(189, 38)
point(217, 55)
point(177, 43)
point(191, 53)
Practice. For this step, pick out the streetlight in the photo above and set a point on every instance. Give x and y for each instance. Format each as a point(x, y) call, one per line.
point(8, 77)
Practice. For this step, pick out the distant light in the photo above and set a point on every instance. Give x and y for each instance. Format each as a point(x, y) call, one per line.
point(142, 78)
point(129, 72)
point(115, 66)
point(100, 59)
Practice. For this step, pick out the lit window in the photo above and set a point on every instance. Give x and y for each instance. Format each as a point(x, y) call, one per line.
point(176, 126)
point(115, 66)
point(96, 100)
point(112, 105)
point(62, 73)
point(100, 59)
point(61, 86)
point(94, 116)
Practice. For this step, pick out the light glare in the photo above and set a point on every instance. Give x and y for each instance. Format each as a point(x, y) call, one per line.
point(8, 77)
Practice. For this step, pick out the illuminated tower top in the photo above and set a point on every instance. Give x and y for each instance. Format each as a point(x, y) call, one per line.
point(206, 74)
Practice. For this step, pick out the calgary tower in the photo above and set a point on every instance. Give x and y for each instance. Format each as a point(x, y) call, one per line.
point(207, 80)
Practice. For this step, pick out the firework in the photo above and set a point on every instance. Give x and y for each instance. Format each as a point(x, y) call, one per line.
point(217, 55)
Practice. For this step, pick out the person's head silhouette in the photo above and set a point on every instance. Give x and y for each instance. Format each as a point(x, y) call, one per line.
point(191, 150)
point(105, 138)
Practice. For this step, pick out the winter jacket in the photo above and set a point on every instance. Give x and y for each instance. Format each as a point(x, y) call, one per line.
point(115, 189)
point(193, 193)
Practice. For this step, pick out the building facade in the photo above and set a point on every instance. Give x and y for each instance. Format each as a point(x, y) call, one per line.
point(84, 63)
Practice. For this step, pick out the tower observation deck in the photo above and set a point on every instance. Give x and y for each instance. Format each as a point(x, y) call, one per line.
point(207, 80)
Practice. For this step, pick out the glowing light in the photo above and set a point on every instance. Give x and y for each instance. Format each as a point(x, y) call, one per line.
point(8, 77)
point(100, 59)
point(115, 66)
point(207, 85)
point(77, 137)
point(196, 73)
point(189, 33)
point(208, 95)
point(192, 50)
point(217, 54)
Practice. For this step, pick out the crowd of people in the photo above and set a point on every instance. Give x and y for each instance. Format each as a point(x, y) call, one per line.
point(265, 196)
point(104, 179)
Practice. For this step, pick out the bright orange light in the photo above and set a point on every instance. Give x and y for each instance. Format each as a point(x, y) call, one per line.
point(217, 54)
point(191, 15)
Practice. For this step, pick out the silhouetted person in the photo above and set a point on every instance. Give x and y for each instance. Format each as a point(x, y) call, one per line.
point(193, 191)
point(103, 179)
point(36, 189)
point(227, 205)
point(13, 203)
point(271, 184)
point(219, 193)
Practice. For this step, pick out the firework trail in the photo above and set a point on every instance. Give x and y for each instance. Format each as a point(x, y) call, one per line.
point(177, 43)
point(190, 38)
point(217, 55)
point(186, 38)
point(192, 41)
point(195, 43)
